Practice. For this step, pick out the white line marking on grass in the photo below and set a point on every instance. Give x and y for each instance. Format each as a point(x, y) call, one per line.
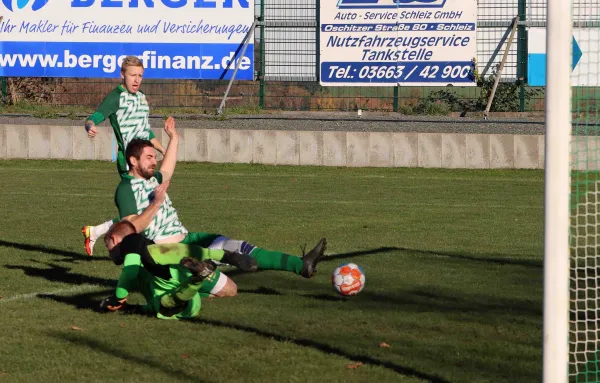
point(55, 170)
point(201, 174)
point(371, 202)
point(368, 176)
point(75, 289)
point(309, 202)
point(50, 194)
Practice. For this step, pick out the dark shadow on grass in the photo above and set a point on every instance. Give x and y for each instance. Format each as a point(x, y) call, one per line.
point(91, 301)
point(84, 301)
point(97, 346)
point(500, 260)
point(262, 290)
point(493, 259)
point(326, 297)
point(354, 254)
point(71, 255)
point(421, 301)
point(56, 273)
point(325, 348)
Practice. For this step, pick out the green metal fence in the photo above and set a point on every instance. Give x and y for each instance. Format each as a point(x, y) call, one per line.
point(286, 65)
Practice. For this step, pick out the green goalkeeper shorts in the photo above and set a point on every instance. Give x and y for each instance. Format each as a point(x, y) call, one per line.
point(212, 284)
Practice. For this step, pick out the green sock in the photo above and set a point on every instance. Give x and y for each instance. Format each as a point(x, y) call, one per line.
point(209, 283)
point(275, 260)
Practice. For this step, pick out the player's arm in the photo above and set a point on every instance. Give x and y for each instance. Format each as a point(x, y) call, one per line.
point(128, 210)
point(142, 221)
point(151, 136)
point(108, 106)
point(157, 145)
point(128, 282)
point(90, 127)
point(92, 121)
point(167, 166)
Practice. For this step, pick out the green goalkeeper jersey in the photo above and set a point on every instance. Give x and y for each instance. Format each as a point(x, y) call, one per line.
point(154, 271)
point(133, 196)
point(128, 115)
point(135, 277)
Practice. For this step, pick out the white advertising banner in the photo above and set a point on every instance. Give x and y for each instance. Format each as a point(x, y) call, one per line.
point(585, 57)
point(194, 39)
point(398, 42)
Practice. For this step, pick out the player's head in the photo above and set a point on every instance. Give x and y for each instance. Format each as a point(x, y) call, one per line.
point(132, 71)
point(115, 236)
point(117, 232)
point(141, 158)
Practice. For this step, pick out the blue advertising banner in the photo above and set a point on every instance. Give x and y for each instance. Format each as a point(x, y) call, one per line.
point(175, 39)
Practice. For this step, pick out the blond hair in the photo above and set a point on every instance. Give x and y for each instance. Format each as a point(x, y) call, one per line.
point(131, 61)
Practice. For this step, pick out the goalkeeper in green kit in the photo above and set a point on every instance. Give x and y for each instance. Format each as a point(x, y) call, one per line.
point(172, 277)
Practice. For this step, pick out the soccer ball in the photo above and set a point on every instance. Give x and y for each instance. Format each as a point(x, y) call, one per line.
point(348, 279)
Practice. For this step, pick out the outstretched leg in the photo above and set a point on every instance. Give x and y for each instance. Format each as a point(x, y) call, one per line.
point(275, 260)
point(166, 253)
point(92, 233)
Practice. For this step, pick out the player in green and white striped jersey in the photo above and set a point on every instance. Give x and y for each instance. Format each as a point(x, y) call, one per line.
point(135, 195)
point(128, 112)
point(142, 200)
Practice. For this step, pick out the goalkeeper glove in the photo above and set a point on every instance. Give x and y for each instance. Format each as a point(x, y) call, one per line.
point(112, 303)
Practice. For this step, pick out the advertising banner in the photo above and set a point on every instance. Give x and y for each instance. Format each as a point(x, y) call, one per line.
point(175, 39)
point(584, 57)
point(398, 42)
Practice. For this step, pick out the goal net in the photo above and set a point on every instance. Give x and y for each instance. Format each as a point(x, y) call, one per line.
point(584, 201)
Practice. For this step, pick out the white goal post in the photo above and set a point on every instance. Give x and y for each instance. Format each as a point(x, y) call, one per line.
point(557, 192)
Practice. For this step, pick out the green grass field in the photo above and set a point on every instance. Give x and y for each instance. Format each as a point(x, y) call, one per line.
point(453, 261)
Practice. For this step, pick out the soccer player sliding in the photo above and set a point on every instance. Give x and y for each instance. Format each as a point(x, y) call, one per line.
point(161, 224)
point(165, 227)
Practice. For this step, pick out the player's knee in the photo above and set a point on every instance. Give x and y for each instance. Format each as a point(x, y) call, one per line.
point(236, 246)
point(229, 290)
point(224, 287)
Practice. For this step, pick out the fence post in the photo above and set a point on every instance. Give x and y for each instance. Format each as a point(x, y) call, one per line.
point(522, 54)
point(396, 103)
point(245, 42)
point(318, 40)
point(261, 74)
point(3, 89)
